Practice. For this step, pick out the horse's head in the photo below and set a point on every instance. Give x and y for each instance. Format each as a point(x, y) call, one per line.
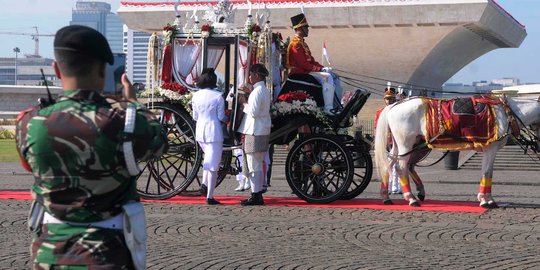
point(527, 109)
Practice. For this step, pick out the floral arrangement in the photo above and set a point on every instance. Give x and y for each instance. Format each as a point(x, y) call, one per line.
point(253, 31)
point(174, 87)
point(206, 31)
point(169, 32)
point(172, 91)
point(298, 103)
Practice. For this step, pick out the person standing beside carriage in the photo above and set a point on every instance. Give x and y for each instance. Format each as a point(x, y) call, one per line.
point(255, 126)
point(394, 187)
point(209, 113)
point(82, 150)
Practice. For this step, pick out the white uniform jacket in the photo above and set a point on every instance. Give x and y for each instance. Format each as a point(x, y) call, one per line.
point(208, 111)
point(257, 120)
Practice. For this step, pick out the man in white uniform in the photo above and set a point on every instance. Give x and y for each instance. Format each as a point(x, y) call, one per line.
point(255, 126)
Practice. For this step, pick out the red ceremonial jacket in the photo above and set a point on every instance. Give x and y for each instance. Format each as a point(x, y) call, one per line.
point(299, 58)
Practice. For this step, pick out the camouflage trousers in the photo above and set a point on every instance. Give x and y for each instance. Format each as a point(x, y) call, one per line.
point(61, 246)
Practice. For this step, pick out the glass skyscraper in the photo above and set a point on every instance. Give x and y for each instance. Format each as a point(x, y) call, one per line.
point(98, 15)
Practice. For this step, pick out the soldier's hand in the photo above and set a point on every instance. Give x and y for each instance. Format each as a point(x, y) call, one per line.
point(129, 90)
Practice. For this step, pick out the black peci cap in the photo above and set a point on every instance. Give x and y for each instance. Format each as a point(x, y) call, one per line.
point(84, 40)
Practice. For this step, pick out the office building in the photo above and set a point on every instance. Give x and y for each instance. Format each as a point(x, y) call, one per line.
point(136, 50)
point(97, 15)
point(27, 71)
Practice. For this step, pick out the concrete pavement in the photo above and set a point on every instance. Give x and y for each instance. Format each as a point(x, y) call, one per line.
point(234, 237)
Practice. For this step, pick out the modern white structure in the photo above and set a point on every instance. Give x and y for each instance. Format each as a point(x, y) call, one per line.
point(418, 42)
point(506, 81)
point(525, 88)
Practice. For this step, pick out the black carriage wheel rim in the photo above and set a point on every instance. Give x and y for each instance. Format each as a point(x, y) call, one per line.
point(332, 178)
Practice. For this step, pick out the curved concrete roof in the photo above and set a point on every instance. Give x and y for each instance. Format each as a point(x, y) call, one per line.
point(420, 42)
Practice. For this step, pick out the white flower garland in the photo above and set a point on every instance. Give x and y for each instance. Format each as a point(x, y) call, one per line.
point(184, 99)
point(309, 107)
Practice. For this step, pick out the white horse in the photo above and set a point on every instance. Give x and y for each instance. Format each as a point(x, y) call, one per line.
point(406, 122)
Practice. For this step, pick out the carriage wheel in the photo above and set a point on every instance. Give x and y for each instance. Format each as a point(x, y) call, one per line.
point(319, 169)
point(172, 172)
point(363, 170)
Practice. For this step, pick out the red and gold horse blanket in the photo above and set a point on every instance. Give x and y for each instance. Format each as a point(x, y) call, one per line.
point(461, 123)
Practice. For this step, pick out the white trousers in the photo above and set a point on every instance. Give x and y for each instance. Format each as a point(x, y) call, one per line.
point(212, 155)
point(327, 82)
point(393, 181)
point(255, 166)
point(238, 153)
point(212, 159)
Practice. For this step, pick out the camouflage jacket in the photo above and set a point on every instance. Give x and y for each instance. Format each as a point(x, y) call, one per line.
point(74, 150)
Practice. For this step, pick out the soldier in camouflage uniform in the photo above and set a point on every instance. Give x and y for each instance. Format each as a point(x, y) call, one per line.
point(74, 150)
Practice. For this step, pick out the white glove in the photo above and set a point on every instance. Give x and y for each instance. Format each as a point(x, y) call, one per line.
point(327, 69)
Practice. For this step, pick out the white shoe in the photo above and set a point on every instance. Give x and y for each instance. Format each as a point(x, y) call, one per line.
point(247, 186)
point(240, 185)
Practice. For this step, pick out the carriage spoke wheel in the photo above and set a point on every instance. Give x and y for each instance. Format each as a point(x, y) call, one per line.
point(172, 172)
point(319, 169)
point(363, 171)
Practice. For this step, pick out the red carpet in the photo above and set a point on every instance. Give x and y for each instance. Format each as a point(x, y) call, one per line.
point(399, 205)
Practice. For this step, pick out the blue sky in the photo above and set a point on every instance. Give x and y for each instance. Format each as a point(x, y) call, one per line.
point(50, 15)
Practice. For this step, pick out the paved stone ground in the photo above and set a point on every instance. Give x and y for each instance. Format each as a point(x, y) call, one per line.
point(234, 237)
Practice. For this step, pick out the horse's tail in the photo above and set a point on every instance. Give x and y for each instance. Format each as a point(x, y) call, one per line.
point(381, 143)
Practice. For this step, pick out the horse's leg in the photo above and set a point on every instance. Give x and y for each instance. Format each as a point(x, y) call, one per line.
point(484, 193)
point(403, 173)
point(417, 182)
point(384, 182)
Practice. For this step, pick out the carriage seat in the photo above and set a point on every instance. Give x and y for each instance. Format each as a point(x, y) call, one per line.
point(355, 104)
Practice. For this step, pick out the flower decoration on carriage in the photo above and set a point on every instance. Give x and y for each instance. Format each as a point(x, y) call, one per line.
point(174, 87)
point(206, 31)
point(298, 103)
point(169, 32)
point(254, 31)
point(171, 91)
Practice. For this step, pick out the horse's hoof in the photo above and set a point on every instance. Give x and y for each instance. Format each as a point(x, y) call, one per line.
point(388, 202)
point(421, 197)
point(493, 205)
point(415, 204)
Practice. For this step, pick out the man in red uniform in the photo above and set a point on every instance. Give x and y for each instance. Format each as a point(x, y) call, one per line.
point(389, 98)
point(300, 61)
point(299, 58)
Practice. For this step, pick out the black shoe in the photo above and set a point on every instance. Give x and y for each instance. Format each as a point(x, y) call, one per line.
point(255, 199)
point(212, 201)
point(204, 189)
point(264, 189)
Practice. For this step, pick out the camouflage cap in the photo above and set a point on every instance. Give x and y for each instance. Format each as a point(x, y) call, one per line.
point(84, 40)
